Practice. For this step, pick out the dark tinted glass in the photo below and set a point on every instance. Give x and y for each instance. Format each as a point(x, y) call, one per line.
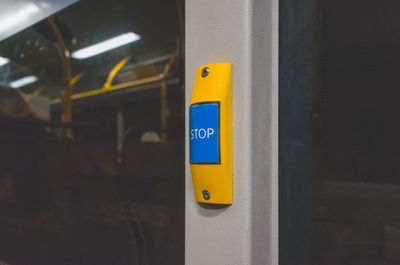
point(339, 132)
point(91, 143)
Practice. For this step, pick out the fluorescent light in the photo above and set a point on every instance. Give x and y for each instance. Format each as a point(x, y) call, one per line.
point(105, 45)
point(23, 81)
point(21, 15)
point(4, 61)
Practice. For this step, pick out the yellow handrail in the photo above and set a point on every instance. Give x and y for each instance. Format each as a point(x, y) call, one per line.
point(100, 91)
point(108, 87)
point(113, 73)
point(76, 78)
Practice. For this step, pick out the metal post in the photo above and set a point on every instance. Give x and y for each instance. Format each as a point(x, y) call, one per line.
point(120, 133)
point(164, 110)
point(164, 96)
point(244, 33)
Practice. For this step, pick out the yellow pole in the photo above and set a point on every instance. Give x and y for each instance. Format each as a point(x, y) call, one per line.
point(66, 93)
point(164, 98)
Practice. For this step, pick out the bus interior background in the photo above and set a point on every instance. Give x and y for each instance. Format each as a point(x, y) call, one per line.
point(104, 185)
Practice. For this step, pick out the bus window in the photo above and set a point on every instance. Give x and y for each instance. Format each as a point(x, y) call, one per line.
point(91, 132)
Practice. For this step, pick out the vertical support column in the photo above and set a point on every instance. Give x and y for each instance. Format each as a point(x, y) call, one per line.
point(120, 133)
point(164, 110)
point(244, 33)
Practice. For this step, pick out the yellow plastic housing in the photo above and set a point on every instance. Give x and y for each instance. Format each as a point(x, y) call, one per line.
point(217, 179)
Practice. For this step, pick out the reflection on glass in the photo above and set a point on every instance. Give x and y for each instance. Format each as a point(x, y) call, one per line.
point(17, 15)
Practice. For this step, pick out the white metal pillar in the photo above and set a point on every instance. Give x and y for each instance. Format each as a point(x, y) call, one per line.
point(244, 33)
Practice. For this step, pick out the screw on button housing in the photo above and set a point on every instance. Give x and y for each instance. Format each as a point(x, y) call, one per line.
point(206, 195)
point(205, 72)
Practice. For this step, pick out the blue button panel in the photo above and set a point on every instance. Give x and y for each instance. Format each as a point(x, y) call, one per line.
point(204, 133)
